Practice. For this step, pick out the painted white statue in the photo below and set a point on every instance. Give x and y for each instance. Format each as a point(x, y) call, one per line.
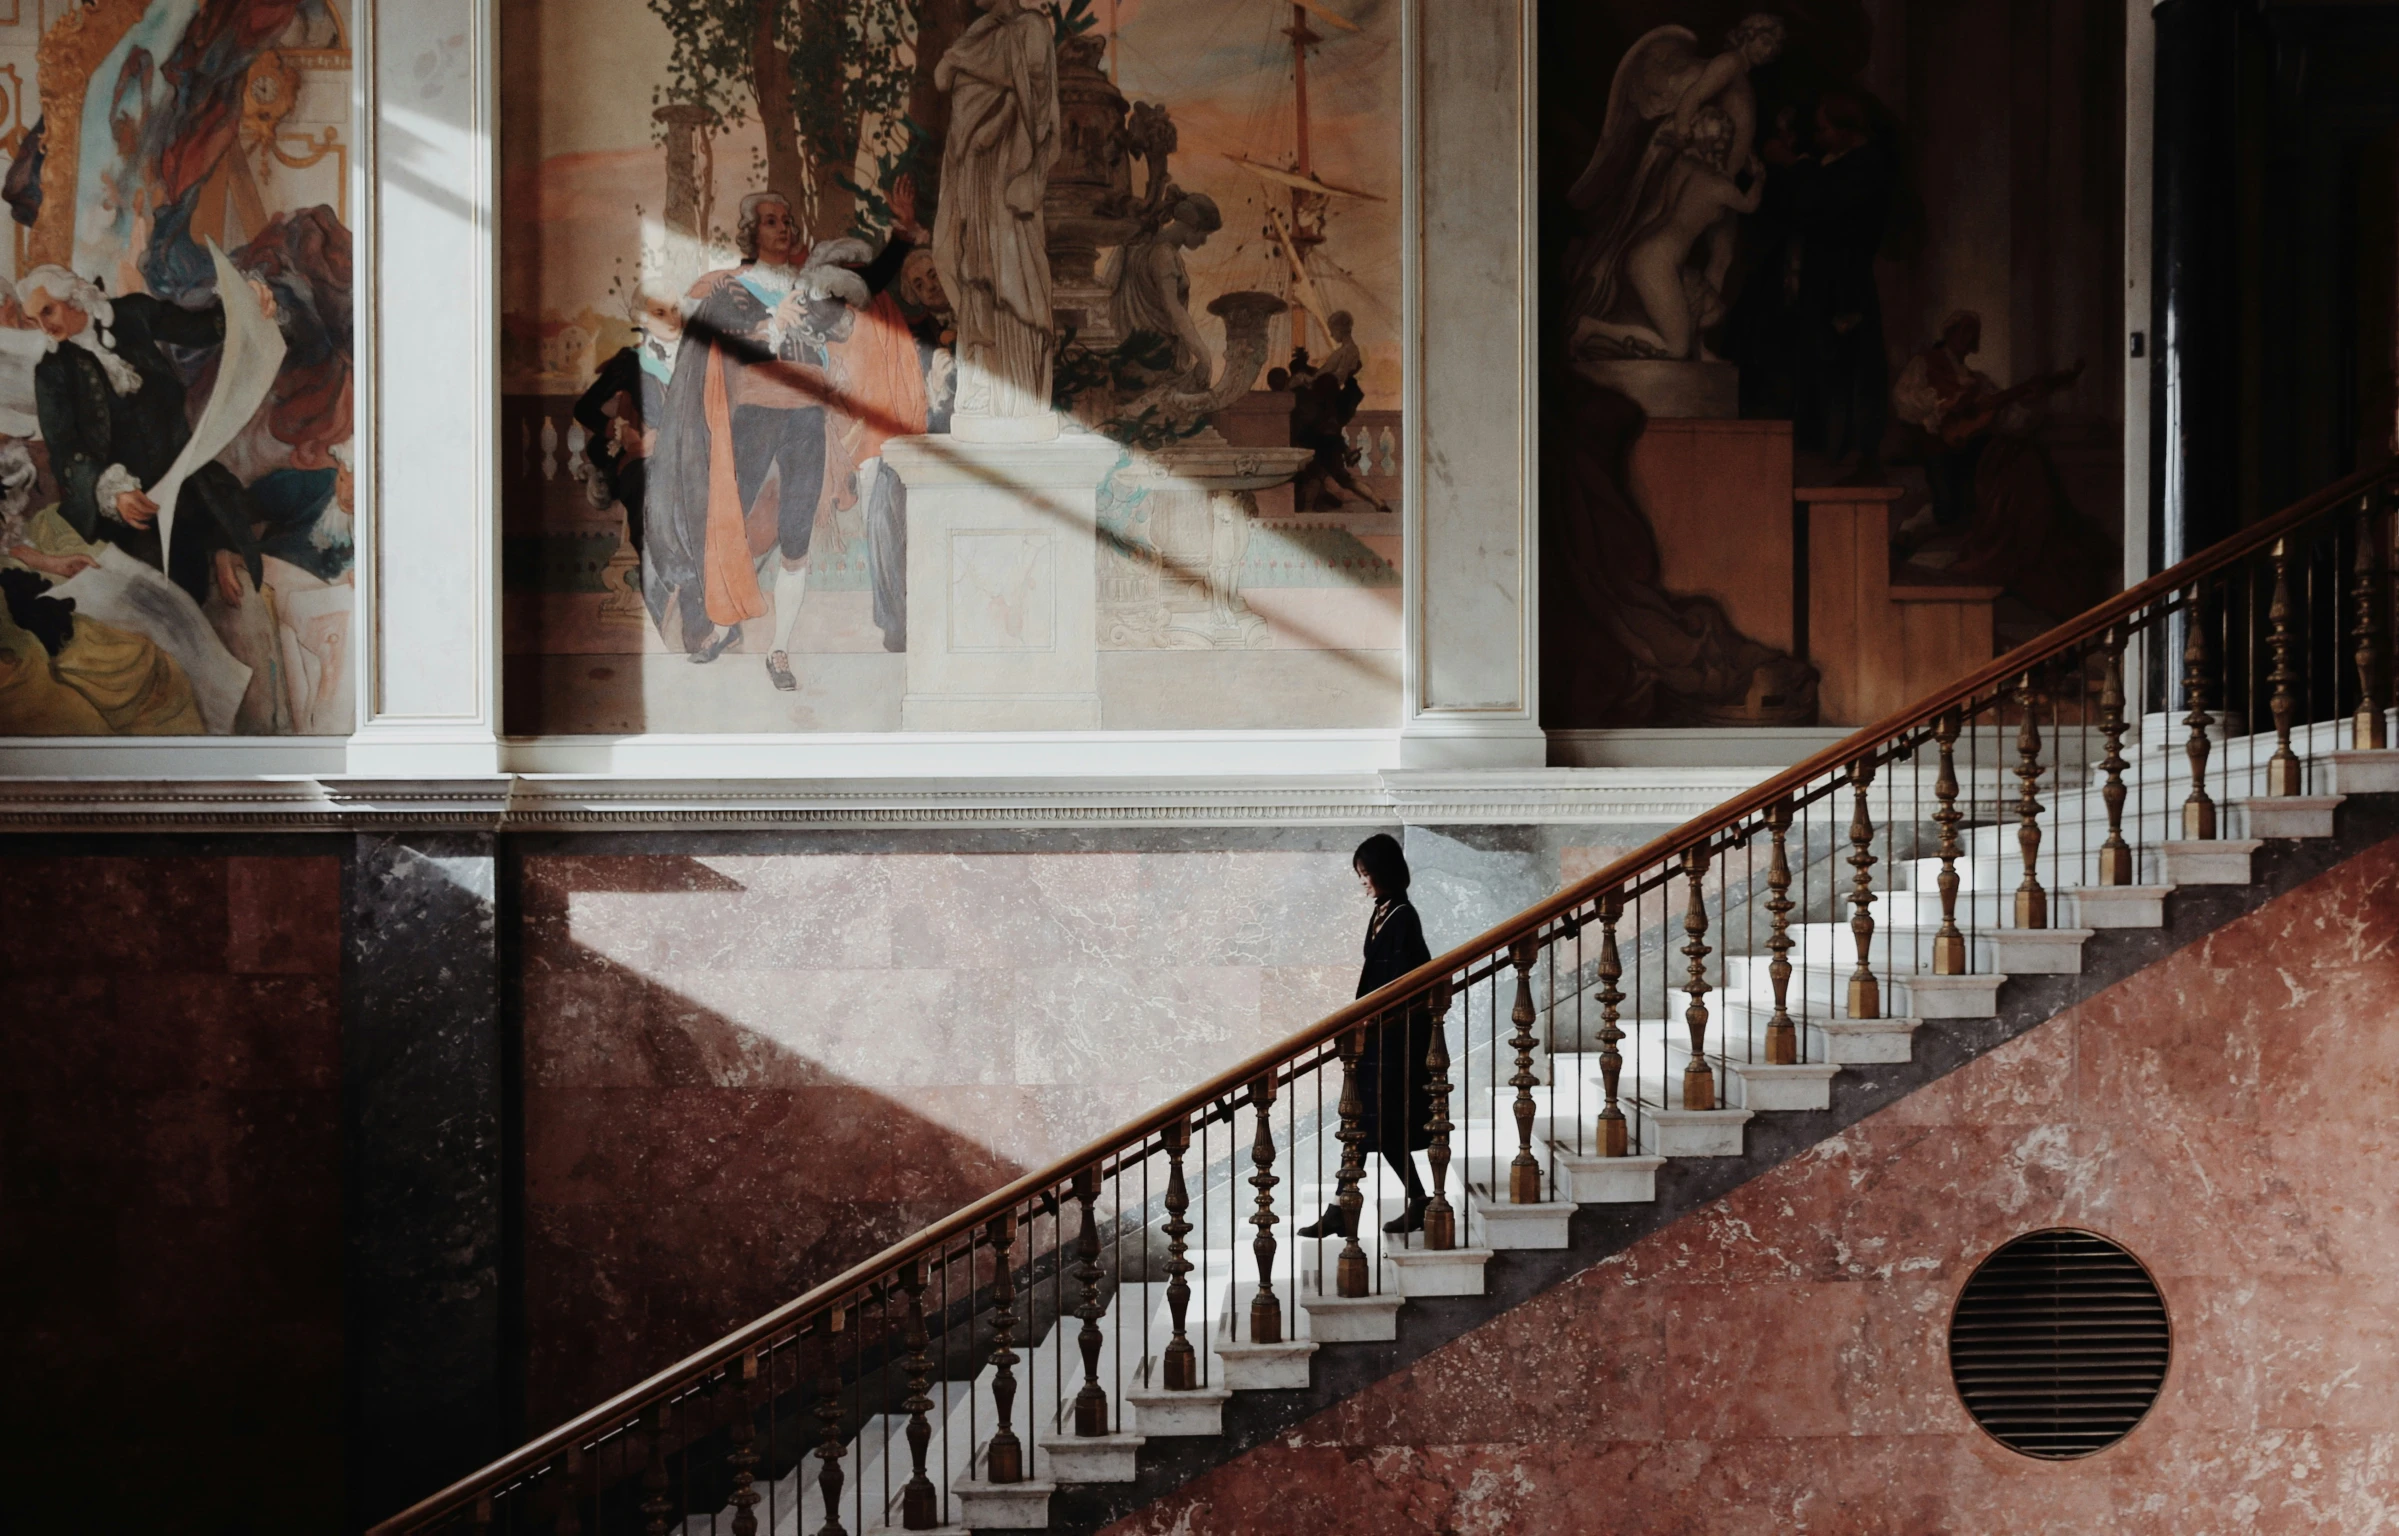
point(989, 239)
point(1662, 193)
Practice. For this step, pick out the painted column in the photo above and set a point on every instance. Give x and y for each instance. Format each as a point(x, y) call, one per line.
point(428, 391)
point(1472, 539)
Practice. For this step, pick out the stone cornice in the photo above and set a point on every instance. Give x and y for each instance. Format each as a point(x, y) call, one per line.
point(538, 803)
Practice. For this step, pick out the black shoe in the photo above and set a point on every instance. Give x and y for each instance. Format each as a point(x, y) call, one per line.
point(1410, 1218)
point(716, 646)
point(1331, 1224)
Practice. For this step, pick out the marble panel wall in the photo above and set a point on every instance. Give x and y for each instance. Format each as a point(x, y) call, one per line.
point(751, 1062)
point(1777, 1361)
point(170, 1192)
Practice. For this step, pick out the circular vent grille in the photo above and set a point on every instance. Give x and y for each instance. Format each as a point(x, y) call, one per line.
point(2059, 1344)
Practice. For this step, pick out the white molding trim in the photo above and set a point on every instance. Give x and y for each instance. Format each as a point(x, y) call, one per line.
point(1647, 799)
point(1438, 743)
point(816, 756)
point(171, 757)
point(433, 419)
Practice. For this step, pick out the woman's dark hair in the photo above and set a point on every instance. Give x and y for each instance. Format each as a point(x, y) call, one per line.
point(1379, 859)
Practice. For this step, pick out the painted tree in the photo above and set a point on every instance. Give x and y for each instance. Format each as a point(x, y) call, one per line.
point(818, 74)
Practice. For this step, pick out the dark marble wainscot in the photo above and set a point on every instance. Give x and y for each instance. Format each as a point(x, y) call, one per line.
point(170, 1193)
point(424, 1074)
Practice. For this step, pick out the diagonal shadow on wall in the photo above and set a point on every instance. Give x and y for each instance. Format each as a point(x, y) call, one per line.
point(686, 1172)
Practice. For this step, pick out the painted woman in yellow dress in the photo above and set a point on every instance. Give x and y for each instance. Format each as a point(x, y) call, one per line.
point(62, 674)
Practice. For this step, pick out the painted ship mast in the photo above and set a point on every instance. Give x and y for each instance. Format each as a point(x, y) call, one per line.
point(1298, 228)
point(1302, 240)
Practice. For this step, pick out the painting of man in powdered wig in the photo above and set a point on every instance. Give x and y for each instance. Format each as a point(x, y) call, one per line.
point(188, 298)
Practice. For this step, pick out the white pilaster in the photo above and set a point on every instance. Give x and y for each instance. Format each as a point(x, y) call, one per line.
point(2140, 125)
point(428, 390)
point(1472, 573)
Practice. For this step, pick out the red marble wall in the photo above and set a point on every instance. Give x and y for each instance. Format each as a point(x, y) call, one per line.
point(1777, 1361)
point(170, 1192)
point(745, 1073)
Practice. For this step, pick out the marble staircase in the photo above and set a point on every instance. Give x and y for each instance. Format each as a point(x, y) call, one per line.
point(1592, 1204)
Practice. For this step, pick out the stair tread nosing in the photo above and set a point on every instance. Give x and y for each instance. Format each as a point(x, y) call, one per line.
point(1439, 1271)
point(1870, 1042)
point(1093, 1458)
point(1600, 1180)
point(1699, 1132)
point(1166, 1415)
point(1508, 1224)
point(1768, 1087)
point(1003, 1506)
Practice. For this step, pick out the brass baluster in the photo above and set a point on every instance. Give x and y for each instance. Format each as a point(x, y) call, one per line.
point(2198, 810)
point(2282, 769)
point(743, 1433)
point(1350, 1277)
point(1865, 993)
point(920, 1506)
point(1004, 1460)
point(1949, 944)
point(1614, 1133)
point(1699, 1081)
point(483, 1515)
point(1091, 1404)
point(655, 1504)
point(1782, 1037)
point(2366, 729)
point(1265, 1308)
point(2115, 855)
point(1524, 1174)
point(1440, 1217)
point(828, 1415)
point(2032, 902)
point(1182, 1361)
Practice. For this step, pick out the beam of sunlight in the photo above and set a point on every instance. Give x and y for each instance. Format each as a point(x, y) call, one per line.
point(975, 463)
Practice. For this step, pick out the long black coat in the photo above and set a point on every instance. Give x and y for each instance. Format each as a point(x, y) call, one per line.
point(1391, 1075)
point(89, 426)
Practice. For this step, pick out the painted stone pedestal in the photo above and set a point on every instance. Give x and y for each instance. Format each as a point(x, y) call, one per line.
point(1718, 495)
point(1877, 646)
point(1002, 584)
point(1182, 589)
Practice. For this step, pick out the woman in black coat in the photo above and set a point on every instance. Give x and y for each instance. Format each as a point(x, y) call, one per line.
point(1392, 1082)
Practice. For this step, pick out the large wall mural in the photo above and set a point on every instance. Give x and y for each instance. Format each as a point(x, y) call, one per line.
point(175, 368)
point(1826, 289)
point(878, 365)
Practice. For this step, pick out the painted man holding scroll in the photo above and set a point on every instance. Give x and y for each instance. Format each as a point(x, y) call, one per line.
point(112, 408)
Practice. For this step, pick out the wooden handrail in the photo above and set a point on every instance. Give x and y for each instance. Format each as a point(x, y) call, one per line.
point(1861, 744)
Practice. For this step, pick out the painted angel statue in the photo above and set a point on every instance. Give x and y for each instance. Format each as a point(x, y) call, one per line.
point(1660, 199)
